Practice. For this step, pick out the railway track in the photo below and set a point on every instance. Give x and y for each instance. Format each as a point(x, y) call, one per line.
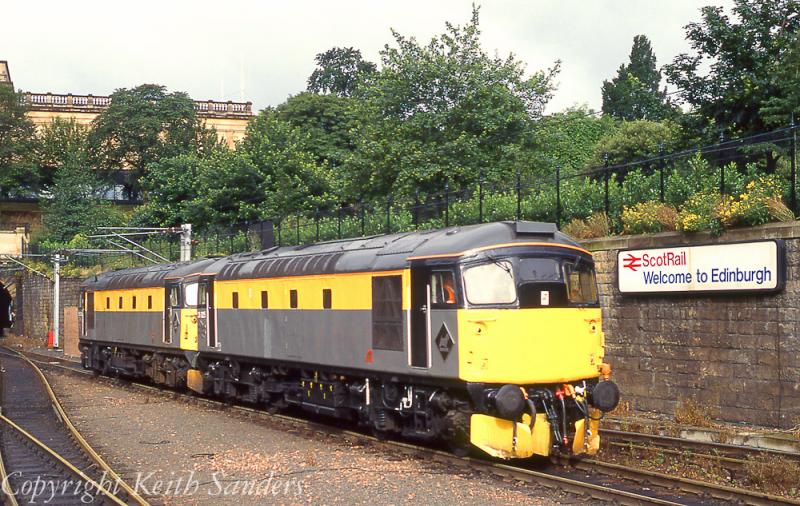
point(43, 458)
point(586, 478)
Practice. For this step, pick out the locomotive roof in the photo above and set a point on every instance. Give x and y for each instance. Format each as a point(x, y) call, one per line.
point(377, 253)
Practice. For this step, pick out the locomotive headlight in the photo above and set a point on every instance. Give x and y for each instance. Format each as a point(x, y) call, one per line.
point(605, 396)
point(508, 401)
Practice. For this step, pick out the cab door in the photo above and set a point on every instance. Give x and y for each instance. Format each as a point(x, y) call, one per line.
point(172, 313)
point(189, 316)
point(206, 326)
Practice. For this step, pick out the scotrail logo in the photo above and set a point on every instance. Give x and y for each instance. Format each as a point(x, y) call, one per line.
point(632, 262)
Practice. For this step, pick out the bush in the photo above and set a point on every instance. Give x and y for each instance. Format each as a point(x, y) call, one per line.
point(648, 218)
point(699, 212)
point(754, 206)
point(596, 225)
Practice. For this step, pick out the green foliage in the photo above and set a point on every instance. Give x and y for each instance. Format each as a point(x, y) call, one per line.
point(19, 174)
point(328, 122)
point(445, 110)
point(731, 75)
point(634, 93)
point(636, 140)
point(340, 71)
point(144, 125)
point(754, 205)
point(171, 186)
point(569, 139)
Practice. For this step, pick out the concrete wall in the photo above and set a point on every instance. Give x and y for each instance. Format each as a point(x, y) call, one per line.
point(737, 354)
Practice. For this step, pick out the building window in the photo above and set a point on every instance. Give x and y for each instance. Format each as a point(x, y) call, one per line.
point(293, 299)
point(120, 302)
point(264, 300)
point(387, 313)
point(149, 302)
point(326, 298)
point(235, 300)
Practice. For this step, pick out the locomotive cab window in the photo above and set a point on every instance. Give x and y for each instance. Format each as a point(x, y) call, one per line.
point(491, 283)
point(581, 283)
point(174, 297)
point(541, 283)
point(443, 288)
point(202, 295)
point(191, 294)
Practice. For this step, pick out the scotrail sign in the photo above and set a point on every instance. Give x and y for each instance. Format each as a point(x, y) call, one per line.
point(736, 267)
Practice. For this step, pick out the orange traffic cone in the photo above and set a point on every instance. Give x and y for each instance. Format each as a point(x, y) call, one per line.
point(50, 339)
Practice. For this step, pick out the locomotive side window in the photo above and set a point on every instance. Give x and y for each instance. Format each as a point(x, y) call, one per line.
point(89, 311)
point(120, 303)
point(202, 295)
point(133, 302)
point(293, 299)
point(581, 284)
point(490, 284)
point(443, 288)
point(235, 300)
point(149, 302)
point(108, 302)
point(326, 298)
point(387, 313)
point(264, 299)
point(174, 297)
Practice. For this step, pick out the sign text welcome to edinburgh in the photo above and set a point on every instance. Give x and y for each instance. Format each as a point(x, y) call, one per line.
point(737, 267)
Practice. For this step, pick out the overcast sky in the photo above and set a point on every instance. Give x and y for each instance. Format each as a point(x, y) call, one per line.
point(264, 50)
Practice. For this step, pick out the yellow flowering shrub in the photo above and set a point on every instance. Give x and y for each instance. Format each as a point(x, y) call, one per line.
point(648, 218)
point(756, 205)
point(699, 212)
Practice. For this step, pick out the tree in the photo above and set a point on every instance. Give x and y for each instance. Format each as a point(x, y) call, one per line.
point(328, 121)
point(172, 187)
point(73, 205)
point(445, 110)
point(634, 93)
point(141, 126)
point(340, 70)
point(19, 174)
point(731, 75)
point(569, 139)
point(778, 108)
point(636, 140)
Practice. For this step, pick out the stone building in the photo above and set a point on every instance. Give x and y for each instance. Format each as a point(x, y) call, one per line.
point(229, 119)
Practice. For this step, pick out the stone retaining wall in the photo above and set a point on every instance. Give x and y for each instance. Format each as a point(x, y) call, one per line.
point(737, 354)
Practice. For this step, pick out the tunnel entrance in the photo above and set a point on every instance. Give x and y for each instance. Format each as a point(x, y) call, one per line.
point(6, 307)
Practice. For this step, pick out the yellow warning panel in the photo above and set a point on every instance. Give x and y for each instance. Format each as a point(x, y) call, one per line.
point(594, 436)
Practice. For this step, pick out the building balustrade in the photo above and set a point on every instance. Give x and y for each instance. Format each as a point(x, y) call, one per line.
point(96, 104)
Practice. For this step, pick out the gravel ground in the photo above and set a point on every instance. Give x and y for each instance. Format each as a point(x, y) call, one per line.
point(191, 454)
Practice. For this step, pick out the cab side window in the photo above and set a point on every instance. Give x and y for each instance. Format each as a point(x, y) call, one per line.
point(443, 288)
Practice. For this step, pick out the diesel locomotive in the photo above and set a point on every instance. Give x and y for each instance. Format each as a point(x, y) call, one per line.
point(487, 335)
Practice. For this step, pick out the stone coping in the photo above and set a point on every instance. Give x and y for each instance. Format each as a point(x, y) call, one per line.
point(779, 230)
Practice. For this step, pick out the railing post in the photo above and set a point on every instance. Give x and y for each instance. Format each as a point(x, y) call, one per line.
point(721, 164)
point(416, 209)
point(339, 222)
point(446, 203)
point(793, 193)
point(519, 194)
point(297, 228)
point(605, 178)
point(558, 196)
point(363, 229)
point(279, 232)
point(480, 199)
point(316, 221)
point(661, 164)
